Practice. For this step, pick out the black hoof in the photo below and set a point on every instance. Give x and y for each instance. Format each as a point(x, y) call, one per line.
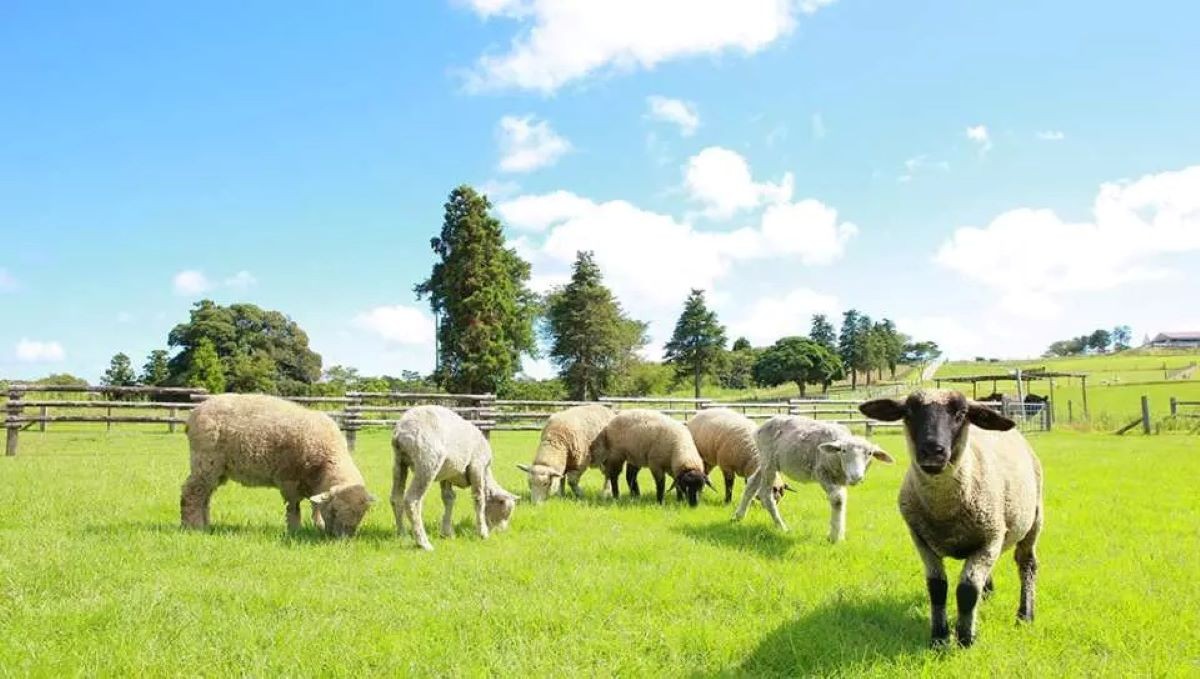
point(966, 640)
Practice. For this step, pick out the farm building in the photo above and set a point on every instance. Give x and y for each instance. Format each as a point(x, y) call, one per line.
point(1176, 340)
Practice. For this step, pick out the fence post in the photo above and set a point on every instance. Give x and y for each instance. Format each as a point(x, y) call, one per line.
point(45, 412)
point(108, 416)
point(1070, 412)
point(350, 421)
point(1174, 406)
point(12, 413)
point(870, 429)
point(1146, 414)
point(171, 424)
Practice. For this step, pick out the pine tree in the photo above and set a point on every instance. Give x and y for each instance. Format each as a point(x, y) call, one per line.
point(697, 342)
point(591, 338)
point(822, 332)
point(120, 372)
point(478, 291)
point(849, 344)
point(205, 368)
point(156, 371)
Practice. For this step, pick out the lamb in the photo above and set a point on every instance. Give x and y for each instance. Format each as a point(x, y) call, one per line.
point(725, 439)
point(266, 441)
point(565, 449)
point(974, 490)
point(648, 438)
point(439, 445)
point(809, 450)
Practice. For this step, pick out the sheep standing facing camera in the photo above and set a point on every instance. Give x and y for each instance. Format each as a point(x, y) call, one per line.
point(437, 444)
point(973, 490)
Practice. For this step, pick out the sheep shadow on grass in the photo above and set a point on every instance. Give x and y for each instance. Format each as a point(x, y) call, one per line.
point(768, 542)
point(841, 636)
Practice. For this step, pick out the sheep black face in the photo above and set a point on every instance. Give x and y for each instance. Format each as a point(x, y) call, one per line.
point(936, 423)
point(689, 484)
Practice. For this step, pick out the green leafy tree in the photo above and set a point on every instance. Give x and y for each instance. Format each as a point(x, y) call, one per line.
point(156, 372)
point(891, 343)
point(740, 344)
point(1099, 340)
point(736, 369)
point(799, 360)
point(822, 332)
point(240, 334)
point(697, 342)
point(251, 374)
point(644, 378)
point(205, 369)
point(120, 372)
point(1122, 336)
point(591, 339)
point(919, 352)
point(478, 291)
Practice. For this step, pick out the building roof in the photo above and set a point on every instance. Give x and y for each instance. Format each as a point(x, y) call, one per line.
point(1190, 336)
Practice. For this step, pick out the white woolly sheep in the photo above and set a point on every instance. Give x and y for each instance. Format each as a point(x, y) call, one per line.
point(648, 438)
point(439, 445)
point(974, 490)
point(564, 450)
point(810, 450)
point(725, 440)
point(266, 441)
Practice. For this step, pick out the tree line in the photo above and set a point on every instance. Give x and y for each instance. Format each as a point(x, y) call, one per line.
point(1099, 341)
point(487, 319)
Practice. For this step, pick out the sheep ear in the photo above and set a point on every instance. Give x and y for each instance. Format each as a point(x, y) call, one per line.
point(556, 475)
point(788, 488)
point(525, 468)
point(881, 455)
point(708, 482)
point(884, 409)
point(985, 418)
point(830, 447)
point(321, 499)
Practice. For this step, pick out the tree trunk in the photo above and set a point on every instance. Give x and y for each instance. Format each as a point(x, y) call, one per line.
point(853, 379)
point(801, 385)
point(697, 380)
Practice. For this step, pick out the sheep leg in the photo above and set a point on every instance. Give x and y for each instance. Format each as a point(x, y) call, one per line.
point(399, 481)
point(988, 588)
point(1026, 558)
point(611, 474)
point(837, 519)
point(748, 494)
point(938, 586)
point(728, 476)
point(448, 504)
point(767, 498)
point(660, 484)
point(631, 473)
point(573, 479)
point(293, 515)
point(975, 572)
point(318, 519)
point(413, 501)
point(194, 501)
point(479, 490)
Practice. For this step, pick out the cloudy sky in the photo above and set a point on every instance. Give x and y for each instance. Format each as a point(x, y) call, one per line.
point(992, 176)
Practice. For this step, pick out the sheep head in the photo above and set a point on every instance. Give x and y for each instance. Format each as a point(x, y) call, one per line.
point(342, 508)
point(542, 481)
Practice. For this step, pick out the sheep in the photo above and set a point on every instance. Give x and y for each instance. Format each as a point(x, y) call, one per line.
point(565, 449)
point(810, 450)
point(266, 441)
point(974, 490)
point(725, 439)
point(439, 445)
point(648, 438)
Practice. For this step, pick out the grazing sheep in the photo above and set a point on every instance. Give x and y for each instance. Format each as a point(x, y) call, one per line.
point(266, 441)
point(648, 438)
point(565, 449)
point(974, 490)
point(439, 445)
point(725, 439)
point(810, 450)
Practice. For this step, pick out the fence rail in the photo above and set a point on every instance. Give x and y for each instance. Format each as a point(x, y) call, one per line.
point(356, 411)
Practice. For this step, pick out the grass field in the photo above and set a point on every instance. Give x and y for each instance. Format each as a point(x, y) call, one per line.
point(98, 580)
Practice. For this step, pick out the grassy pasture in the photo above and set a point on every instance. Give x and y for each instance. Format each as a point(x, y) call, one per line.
point(97, 579)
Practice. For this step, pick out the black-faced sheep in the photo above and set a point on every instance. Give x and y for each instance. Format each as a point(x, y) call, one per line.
point(974, 489)
point(725, 440)
point(564, 450)
point(810, 450)
point(266, 441)
point(648, 438)
point(439, 445)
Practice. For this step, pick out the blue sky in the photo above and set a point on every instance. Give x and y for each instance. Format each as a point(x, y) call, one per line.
point(940, 163)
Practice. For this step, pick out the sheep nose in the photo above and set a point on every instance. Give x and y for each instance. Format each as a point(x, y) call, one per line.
point(933, 449)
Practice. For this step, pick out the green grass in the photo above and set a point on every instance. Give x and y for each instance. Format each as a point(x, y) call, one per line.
point(95, 578)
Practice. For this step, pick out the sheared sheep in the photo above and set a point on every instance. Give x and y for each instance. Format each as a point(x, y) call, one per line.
point(648, 438)
point(974, 490)
point(725, 439)
point(266, 441)
point(564, 450)
point(810, 450)
point(439, 445)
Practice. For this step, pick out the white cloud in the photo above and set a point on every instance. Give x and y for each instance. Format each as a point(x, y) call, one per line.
point(979, 135)
point(527, 144)
point(808, 229)
point(241, 280)
point(818, 126)
point(919, 164)
point(191, 282)
point(1030, 258)
point(770, 318)
point(681, 113)
point(720, 179)
point(560, 41)
point(7, 282)
point(498, 189)
point(538, 212)
point(397, 324)
point(33, 351)
point(1051, 135)
point(955, 338)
